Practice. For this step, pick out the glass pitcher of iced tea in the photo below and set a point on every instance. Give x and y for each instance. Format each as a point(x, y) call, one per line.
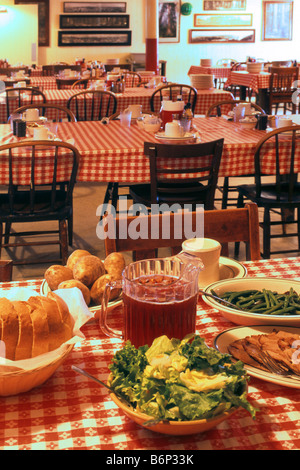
point(159, 298)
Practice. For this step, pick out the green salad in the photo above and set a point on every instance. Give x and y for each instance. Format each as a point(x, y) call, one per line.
point(179, 380)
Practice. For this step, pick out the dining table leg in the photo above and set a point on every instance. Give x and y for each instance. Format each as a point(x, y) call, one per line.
point(262, 99)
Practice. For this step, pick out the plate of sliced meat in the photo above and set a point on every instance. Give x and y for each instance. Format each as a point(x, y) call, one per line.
point(249, 344)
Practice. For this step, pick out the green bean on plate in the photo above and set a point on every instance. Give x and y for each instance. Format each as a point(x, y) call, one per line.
point(265, 301)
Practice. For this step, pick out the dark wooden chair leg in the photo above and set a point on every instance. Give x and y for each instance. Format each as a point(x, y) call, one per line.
point(63, 238)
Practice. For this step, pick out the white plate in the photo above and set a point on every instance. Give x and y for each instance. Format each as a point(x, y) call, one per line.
point(246, 318)
point(223, 340)
point(230, 268)
point(45, 289)
point(187, 136)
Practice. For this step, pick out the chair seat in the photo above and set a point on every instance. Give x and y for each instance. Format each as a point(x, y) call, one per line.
point(268, 195)
point(42, 207)
point(168, 193)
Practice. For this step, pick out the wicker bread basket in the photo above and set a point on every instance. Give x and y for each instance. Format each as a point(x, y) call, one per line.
point(20, 381)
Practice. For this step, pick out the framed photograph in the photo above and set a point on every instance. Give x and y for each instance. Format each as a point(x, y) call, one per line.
point(93, 21)
point(94, 7)
point(43, 19)
point(211, 20)
point(94, 38)
point(224, 5)
point(219, 36)
point(169, 20)
point(277, 21)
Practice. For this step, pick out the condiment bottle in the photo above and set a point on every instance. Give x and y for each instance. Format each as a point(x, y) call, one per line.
point(187, 117)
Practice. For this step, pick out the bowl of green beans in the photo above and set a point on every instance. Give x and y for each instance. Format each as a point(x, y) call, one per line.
point(256, 301)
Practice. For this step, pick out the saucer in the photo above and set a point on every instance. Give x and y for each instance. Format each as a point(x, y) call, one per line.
point(187, 137)
point(230, 269)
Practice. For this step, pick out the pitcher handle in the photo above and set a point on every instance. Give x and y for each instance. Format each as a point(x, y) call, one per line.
point(104, 310)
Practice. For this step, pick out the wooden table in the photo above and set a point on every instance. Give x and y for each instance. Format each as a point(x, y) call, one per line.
point(72, 412)
point(114, 153)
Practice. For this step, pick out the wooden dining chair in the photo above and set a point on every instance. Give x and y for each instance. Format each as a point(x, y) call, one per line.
point(47, 70)
point(229, 188)
point(17, 97)
point(283, 83)
point(35, 202)
point(225, 225)
point(281, 192)
point(199, 163)
point(56, 112)
point(172, 90)
point(10, 70)
point(132, 79)
point(60, 67)
point(92, 105)
point(220, 108)
point(82, 83)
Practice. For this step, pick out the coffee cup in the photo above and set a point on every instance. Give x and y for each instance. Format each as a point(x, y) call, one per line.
point(208, 250)
point(173, 129)
point(284, 122)
point(31, 114)
point(40, 133)
point(136, 110)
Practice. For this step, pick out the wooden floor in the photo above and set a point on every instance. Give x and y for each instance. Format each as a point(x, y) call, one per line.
point(87, 197)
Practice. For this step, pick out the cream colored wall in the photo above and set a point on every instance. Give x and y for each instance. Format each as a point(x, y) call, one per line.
point(18, 31)
point(180, 56)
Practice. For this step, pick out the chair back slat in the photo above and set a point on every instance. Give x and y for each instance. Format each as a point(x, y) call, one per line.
point(199, 163)
point(173, 90)
point(92, 105)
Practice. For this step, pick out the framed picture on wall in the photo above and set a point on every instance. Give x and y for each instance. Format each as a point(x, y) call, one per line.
point(212, 20)
point(93, 21)
point(169, 20)
point(224, 5)
point(43, 19)
point(94, 7)
point(94, 38)
point(219, 36)
point(277, 20)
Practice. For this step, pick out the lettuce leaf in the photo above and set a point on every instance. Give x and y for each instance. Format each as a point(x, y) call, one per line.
point(162, 395)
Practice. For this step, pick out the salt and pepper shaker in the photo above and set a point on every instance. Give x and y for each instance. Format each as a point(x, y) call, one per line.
point(19, 128)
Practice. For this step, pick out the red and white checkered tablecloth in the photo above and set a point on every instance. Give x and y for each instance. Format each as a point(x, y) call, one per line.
point(218, 72)
point(43, 82)
point(71, 412)
point(50, 83)
point(255, 81)
point(135, 95)
point(114, 153)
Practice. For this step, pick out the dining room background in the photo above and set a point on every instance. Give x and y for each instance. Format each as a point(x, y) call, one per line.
point(189, 31)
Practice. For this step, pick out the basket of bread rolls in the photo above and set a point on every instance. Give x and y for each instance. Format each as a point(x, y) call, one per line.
point(37, 334)
point(89, 274)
